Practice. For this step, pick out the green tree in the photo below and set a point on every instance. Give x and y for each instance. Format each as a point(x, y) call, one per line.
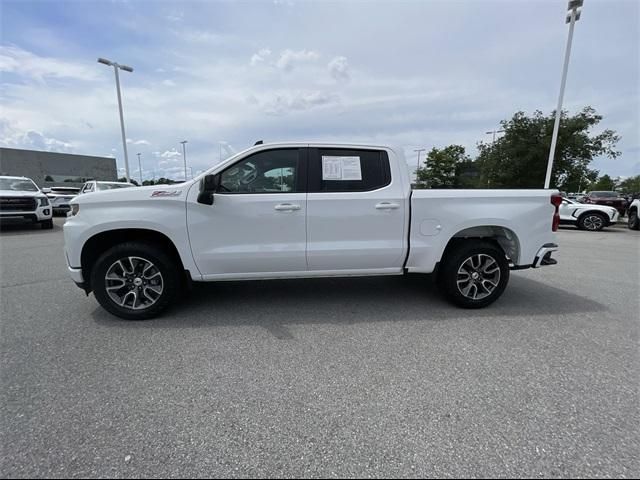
point(124, 179)
point(630, 185)
point(441, 167)
point(604, 183)
point(519, 158)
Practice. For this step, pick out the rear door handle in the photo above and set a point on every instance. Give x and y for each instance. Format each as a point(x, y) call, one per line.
point(286, 207)
point(387, 206)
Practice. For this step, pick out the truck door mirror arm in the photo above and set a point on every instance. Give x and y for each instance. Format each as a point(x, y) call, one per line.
point(208, 186)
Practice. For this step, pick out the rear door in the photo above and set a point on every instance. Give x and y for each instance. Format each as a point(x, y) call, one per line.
point(355, 211)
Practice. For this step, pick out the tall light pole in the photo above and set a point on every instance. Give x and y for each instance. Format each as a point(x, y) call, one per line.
point(494, 134)
point(140, 168)
point(184, 156)
point(418, 150)
point(117, 67)
point(572, 18)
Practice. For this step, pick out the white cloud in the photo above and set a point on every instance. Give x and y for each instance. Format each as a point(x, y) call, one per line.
point(260, 57)
point(14, 59)
point(339, 68)
point(298, 101)
point(289, 58)
point(138, 142)
point(168, 83)
point(12, 137)
point(175, 16)
point(168, 155)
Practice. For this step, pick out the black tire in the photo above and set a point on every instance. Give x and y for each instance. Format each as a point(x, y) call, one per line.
point(592, 221)
point(456, 260)
point(47, 224)
point(634, 221)
point(161, 261)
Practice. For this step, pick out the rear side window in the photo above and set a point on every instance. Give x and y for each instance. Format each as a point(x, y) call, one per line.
point(339, 170)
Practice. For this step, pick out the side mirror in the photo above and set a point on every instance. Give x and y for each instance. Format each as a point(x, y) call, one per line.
point(46, 190)
point(208, 187)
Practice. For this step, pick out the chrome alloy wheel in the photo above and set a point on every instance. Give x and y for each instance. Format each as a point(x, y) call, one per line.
point(134, 283)
point(593, 222)
point(478, 276)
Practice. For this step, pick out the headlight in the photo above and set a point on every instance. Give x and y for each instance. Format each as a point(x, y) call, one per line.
point(44, 201)
point(75, 208)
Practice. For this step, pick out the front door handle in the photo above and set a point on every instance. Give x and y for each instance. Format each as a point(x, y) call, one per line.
point(286, 207)
point(387, 206)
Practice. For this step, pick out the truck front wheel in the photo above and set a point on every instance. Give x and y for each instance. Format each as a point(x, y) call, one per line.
point(474, 274)
point(135, 281)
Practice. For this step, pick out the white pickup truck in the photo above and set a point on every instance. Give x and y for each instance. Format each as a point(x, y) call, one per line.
point(300, 210)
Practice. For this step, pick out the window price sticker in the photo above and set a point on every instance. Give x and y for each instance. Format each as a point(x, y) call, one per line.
point(341, 168)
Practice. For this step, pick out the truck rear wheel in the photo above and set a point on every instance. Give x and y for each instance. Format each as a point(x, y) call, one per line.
point(135, 281)
point(474, 274)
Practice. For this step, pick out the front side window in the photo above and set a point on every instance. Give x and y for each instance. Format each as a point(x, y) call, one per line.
point(271, 171)
point(88, 188)
point(338, 170)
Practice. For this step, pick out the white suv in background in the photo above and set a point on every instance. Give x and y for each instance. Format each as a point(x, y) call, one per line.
point(21, 199)
point(587, 216)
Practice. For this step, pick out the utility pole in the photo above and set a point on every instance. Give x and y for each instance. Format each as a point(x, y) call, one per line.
point(418, 150)
point(572, 18)
point(494, 134)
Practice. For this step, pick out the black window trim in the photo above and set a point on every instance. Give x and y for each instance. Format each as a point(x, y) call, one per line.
point(314, 156)
point(303, 156)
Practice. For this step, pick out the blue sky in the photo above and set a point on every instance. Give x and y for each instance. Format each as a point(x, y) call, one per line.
point(416, 74)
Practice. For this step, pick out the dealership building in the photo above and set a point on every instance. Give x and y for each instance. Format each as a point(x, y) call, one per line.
point(49, 169)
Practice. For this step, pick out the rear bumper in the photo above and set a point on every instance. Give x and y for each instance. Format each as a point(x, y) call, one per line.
point(543, 257)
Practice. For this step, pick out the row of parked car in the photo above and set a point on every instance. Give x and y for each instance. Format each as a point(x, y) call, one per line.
point(22, 200)
point(607, 198)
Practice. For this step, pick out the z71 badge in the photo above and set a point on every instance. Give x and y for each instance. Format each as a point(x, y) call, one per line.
point(166, 193)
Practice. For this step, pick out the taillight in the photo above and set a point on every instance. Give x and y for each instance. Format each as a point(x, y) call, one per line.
point(556, 201)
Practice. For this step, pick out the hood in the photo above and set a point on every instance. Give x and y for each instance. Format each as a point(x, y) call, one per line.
point(20, 194)
point(135, 194)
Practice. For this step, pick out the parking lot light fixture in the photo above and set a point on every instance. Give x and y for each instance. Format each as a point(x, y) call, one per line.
point(140, 168)
point(184, 157)
point(126, 68)
point(573, 16)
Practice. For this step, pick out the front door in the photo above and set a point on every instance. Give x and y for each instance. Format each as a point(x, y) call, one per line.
point(257, 221)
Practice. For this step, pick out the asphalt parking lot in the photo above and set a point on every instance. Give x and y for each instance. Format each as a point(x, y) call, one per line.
point(321, 378)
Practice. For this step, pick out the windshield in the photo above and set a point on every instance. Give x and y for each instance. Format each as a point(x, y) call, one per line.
point(111, 186)
point(604, 194)
point(18, 184)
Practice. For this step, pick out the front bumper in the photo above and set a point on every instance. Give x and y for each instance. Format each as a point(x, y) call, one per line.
point(38, 215)
point(76, 275)
point(543, 257)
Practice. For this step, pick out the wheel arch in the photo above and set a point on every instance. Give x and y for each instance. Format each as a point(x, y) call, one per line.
point(503, 237)
point(101, 242)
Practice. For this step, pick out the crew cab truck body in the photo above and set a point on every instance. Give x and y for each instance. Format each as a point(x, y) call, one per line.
point(298, 210)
